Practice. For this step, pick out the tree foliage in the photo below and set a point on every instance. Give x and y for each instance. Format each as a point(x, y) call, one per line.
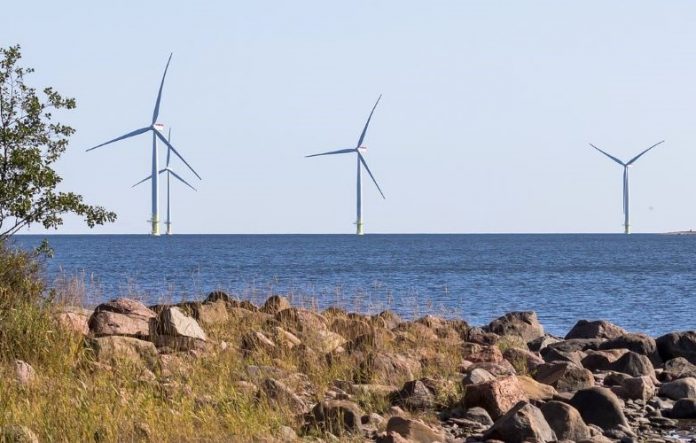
point(31, 141)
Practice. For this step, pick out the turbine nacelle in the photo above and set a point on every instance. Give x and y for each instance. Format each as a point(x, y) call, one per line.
point(361, 149)
point(158, 127)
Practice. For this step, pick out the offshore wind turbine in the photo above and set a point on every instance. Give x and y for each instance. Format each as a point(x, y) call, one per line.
point(626, 165)
point(170, 173)
point(156, 129)
point(359, 149)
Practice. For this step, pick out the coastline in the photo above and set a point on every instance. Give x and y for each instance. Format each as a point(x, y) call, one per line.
point(308, 375)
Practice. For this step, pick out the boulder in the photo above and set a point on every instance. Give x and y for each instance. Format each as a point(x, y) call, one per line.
point(387, 319)
point(218, 295)
point(256, 341)
point(478, 415)
point(211, 313)
point(678, 389)
point(122, 316)
point(639, 388)
point(551, 355)
point(677, 344)
point(522, 359)
point(677, 368)
point(565, 421)
point(338, 417)
point(496, 396)
point(115, 349)
point(281, 395)
point(479, 336)
point(414, 431)
point(576, 344)
point(415, 395)
point(639, 343)
point(601, 407)
point(540, 343)
point(564, 376)
point(477, 353)
point(388, 368)
point(523, 423)
point(477, 375)
point(322, 340)
point(534, 390)
point(521, 324)
point(275, 304)
point(171, 321)
point(498, 370)
point(74, 319)
point(602, 360)
point(633, 364)
point(684, 408)
point(595, 329)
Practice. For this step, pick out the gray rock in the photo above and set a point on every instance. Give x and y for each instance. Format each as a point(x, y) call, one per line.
point(678, 389)
point(338, 417)
point(677, 368)
point(599, 406)
point(477, 375)
point(565, 421)
point(684, 408)
point(633, 364)
point(172, 322)
point(415, 395)
point(678, 344)
point(639, 343)
point(564, 376)
point(524, 422)
point(521, 324)
point(478, 415)
point(122, 316)
point(24, 373)
point(414, 431)
point(639, 388)
point(540, 343)
point(595, 329)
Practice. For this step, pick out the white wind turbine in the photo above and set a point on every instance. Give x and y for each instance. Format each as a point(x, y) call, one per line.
point(625, 179)
point(359, 150)
point(169, 172)
point(156, 134)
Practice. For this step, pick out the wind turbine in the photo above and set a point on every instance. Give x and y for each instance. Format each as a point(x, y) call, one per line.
point(169, 172)
point(156, 129)
point(625, 179)
point(359, 150)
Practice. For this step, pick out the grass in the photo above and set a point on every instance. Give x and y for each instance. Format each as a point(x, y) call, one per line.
point(202, 397)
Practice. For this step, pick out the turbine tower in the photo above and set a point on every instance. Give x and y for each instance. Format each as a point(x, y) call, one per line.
point(169, 172)
point(359, 149)
point(156, 134)
point(625, 180)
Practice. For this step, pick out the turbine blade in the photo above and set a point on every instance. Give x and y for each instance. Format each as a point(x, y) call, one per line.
point(362, 160)
point(639, 155)
point(362, 136)
point(609, 155)
point(340, 151)
point(155, 114)
point(166, 142)
point(181, 179)
point(142, 181)
point(130, 134)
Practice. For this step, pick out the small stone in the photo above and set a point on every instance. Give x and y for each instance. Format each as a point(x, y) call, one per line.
point(24, 373)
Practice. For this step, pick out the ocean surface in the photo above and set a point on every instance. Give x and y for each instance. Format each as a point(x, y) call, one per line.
point(644, 283)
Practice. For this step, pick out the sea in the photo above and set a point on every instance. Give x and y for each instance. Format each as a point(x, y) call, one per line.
point(642, 282)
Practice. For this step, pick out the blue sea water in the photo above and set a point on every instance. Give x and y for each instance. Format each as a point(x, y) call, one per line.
point(645, 283)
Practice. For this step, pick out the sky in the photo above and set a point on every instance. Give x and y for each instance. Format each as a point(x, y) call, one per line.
point(487, 111)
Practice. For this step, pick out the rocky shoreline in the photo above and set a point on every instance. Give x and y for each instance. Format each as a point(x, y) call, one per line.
point(425, 380)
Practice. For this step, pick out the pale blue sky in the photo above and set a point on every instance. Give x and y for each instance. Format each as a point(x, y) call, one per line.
point(487, 111)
